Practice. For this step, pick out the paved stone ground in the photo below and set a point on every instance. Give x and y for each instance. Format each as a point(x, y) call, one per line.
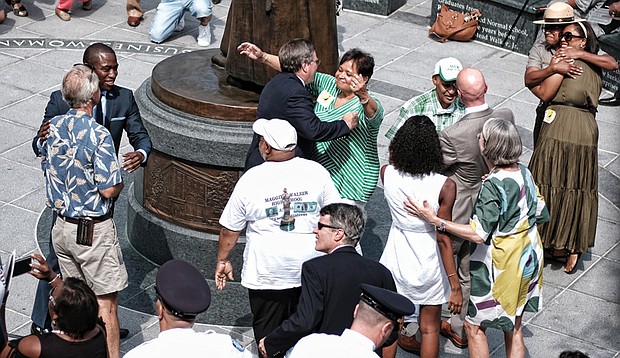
point(580, 310)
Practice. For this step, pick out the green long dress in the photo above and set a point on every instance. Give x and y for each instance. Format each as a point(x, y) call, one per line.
point(565, 164)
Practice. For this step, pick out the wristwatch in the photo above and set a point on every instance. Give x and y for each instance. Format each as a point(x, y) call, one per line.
point(442, 226)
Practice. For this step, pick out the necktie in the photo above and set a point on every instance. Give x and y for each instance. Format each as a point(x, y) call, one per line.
point(99, 113)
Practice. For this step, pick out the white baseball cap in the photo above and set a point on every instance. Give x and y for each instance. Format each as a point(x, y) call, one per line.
point(448, 68)
point(278, 133)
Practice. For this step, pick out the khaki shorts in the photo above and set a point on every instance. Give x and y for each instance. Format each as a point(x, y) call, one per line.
point(101, 265)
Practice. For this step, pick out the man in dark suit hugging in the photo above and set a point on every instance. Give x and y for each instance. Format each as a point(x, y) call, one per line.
point(285, 96)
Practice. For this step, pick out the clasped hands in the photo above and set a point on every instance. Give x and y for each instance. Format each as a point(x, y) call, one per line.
point(563, 61)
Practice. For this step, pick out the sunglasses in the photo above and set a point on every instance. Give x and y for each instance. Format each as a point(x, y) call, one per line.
point(320, 225)
point(569, 36)
point(51, 297)
point(552, 28)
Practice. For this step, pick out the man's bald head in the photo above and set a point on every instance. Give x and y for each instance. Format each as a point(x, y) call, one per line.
point(471, 86)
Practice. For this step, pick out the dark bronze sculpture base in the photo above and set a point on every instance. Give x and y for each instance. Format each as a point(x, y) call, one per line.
point(191, 83)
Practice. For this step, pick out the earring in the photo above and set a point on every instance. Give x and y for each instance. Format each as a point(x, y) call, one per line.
point(53, 323)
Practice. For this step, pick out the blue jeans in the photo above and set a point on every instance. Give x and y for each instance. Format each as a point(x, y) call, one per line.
point(40, 315)
point(170, 12)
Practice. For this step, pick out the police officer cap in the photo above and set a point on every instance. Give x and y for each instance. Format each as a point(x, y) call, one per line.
point(182, 289)
point(388, 303)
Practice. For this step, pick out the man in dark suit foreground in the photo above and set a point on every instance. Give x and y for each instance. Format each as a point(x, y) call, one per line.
point(286, 97)
point(120, 113)
point(330, 285)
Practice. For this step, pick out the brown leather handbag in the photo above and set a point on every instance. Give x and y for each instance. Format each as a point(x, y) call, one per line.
point(454, 25)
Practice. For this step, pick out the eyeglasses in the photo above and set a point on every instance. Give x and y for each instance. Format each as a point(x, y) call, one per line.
point(51, 298)
point(480, 136)
point(569, 36)
point(320, 225)
point(317, 61)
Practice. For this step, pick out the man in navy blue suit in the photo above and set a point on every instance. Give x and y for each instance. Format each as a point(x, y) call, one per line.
point(330, 284)
point(285, 97)
point(117, 111)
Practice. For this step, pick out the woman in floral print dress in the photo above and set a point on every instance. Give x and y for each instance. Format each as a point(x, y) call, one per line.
point(506, 265)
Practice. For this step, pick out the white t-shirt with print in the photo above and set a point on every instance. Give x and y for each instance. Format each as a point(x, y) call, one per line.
point(280, 202)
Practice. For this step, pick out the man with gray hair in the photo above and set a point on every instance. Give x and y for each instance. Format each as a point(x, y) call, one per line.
point(330, 285)
point(279, 202)
point(82, 176)
point(285, 96)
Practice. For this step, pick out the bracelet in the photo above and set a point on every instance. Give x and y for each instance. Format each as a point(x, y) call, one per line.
point(365, 102)
point(452, 274)
point(54, 279)
point(442, 226)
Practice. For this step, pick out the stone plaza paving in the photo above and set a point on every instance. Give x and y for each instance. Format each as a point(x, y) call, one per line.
point(580, 311)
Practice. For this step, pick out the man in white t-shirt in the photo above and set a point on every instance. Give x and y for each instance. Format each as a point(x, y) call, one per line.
point(279, 201)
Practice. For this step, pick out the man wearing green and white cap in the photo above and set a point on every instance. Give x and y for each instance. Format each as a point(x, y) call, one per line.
point(440, 104)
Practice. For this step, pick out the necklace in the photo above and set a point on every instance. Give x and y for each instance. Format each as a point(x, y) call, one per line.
point(71, 339)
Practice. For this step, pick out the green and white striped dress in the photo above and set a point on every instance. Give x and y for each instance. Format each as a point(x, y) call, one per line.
point(352, 161)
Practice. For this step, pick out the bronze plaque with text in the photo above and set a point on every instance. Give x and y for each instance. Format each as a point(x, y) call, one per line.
point(189, 194)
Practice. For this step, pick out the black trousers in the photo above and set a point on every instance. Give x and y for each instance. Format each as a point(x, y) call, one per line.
point(270, 308)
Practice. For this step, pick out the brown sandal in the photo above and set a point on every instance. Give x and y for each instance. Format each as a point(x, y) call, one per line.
point(572, 269)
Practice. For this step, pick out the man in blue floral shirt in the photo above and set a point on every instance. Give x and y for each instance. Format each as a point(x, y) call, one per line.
point(83, 175)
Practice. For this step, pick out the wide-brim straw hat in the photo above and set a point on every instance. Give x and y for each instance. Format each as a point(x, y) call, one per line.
point(558, 13)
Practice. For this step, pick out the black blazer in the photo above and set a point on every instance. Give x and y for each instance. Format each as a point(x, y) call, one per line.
point(330, 290)
point(285, 97)
point(121, 113)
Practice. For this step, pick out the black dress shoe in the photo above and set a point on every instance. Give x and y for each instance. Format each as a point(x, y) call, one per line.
point(123, 332)
point(611, 102)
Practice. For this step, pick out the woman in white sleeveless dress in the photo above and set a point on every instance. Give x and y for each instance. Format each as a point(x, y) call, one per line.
point(418, 254)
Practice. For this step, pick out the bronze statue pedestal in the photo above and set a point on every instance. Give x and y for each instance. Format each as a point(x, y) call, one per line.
point(201, 128)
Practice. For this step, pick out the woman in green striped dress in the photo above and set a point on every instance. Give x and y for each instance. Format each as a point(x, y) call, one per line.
point(352, 161)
